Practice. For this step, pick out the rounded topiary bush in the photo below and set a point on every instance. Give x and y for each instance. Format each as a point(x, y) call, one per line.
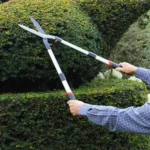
point(134, 46)
point(23, 57)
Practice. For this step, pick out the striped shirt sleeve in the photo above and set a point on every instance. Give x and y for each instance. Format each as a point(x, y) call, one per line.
point(131, 119)
point(143, 74)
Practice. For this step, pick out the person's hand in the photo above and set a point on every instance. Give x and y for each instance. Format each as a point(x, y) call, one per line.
point(127, 68)
point(75, 106)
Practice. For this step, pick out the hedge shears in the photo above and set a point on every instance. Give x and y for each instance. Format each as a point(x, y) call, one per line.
point(62, 77)
point(41, 33)
point(45, 36)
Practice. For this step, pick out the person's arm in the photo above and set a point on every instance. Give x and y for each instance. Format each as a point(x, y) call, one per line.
point(131, 119)
point(141, 73)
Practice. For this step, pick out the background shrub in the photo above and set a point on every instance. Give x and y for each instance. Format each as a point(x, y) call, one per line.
point(113, 17)
point(2, 1)
point(134, 46)
point(42, 121)
point(23, 57)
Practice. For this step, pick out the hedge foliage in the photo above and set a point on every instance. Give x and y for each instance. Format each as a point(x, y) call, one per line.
point(23, 57)
point(113, 17)
point(42, 121)
point(134, 45)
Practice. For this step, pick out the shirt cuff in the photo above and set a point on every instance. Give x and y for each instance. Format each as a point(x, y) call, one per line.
point(83, 110)
point(139, 72)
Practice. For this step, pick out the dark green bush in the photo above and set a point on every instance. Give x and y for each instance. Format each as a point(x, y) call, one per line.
point(134, 46)
point(42, 121)
point(23, 57)
point(2, 1)
point(113, 17)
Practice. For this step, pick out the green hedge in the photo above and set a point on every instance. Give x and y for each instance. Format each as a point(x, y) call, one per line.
point(42, 121)
point(113, 17)
point(134, 45)
point(23, 57)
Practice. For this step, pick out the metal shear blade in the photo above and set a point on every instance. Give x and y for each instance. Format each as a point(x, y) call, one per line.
point(39, 28)
point(33, 31)
point(41, 33)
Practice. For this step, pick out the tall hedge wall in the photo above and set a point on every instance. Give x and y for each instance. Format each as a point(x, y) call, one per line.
point(113, 17)
point(23, 57)
point(42, 121)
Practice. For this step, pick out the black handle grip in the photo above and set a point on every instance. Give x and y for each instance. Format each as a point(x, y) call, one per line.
point(72, 97)
point(113, 65)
